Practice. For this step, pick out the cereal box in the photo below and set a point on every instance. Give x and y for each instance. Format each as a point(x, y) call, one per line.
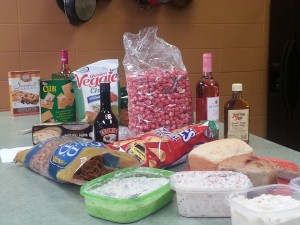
point(24, 89)
point(86, 82)
point(57, 101)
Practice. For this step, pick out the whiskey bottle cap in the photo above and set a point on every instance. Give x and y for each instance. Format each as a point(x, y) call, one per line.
point(237, 87)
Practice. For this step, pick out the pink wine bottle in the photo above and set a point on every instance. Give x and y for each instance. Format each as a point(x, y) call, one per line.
point(207, 93)
point(64, 60)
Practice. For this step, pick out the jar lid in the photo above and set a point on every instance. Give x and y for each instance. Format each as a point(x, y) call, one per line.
point(237, 87)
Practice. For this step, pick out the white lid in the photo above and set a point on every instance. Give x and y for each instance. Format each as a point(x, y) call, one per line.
point(237, 87)
point(208, 181)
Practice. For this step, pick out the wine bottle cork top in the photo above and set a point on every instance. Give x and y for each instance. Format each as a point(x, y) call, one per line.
point(237, 87)
point(207, 62)
point(64, 56)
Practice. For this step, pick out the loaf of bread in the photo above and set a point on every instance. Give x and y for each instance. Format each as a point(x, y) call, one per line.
point(260, 171)
point(208, 155)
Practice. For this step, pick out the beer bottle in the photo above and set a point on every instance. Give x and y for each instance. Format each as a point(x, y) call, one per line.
point(106, 124)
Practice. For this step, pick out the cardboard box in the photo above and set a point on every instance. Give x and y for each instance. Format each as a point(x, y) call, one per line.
point(57, 101)
point(24, 90)
point(44, 131)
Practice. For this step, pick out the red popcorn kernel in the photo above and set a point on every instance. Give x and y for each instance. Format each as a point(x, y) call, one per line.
point(159, 98)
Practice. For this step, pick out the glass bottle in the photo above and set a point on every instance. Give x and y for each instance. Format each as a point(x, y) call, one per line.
point(237, 115)
point(207, 93)
point(124, 107)
point(64, 59)
point(106, 127)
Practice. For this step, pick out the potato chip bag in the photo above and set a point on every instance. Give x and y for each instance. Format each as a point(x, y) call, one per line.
point(162, 148)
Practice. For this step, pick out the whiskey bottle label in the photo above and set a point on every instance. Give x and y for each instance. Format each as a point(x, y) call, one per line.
point(238, 124)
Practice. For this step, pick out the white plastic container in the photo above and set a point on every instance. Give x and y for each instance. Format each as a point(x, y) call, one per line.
point(275, 204)
point(295, 182)
point(202, 193)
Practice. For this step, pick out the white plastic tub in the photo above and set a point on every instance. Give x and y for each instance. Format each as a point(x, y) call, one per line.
point(275, 204)
point(202, 193)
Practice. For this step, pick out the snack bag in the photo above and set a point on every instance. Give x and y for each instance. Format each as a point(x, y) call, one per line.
point(159, 93)
point(163, 148)
point(73, 160)
point(86, 83)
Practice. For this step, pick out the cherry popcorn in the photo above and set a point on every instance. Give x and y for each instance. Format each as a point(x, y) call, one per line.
point(159, 98)
point(159, 93)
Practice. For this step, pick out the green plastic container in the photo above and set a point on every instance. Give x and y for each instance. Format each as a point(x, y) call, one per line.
point(130, 209)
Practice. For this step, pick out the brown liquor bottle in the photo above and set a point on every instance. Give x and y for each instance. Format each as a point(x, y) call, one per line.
point(106, 128)
point(237, 115)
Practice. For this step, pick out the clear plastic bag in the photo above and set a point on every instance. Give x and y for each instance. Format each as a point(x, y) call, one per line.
point(159, 93)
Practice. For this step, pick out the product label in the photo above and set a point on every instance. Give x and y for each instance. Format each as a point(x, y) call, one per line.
point(57, 101)
point(109, 135)
point(213, 109)
point(66, 153)
point(138, 150)
point(238, 124)
point(86, 82)
point(24, 88)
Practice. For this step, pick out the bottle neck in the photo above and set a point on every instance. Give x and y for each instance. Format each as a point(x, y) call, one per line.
point(64, 70)
point(237, 95)
point(105, 101)
point(64, 59)
point(207, 75)
point(64, 65)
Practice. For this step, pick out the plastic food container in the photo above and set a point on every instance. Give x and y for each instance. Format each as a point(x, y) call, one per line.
point(275, 204)
point(295, 182)
point(133, 208)
point(202, 193)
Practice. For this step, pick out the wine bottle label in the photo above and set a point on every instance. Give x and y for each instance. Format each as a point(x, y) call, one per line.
point(213, 109)
point(238, 124)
